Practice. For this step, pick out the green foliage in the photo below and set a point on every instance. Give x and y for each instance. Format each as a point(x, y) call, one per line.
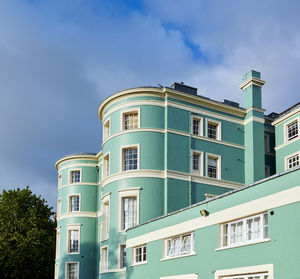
point(27, 236)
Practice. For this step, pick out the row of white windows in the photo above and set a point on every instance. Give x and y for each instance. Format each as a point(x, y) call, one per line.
point(243, 231)
point(72, 272)
point(130, 121)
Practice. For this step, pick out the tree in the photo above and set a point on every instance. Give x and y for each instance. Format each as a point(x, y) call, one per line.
point(27, 236)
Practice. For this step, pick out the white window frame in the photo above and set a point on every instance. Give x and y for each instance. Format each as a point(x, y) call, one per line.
point(244, 231)
point(56, 271)
point(267, 269)
point(57, 250)
point(67, 270)
point(105, 205)
point(218, 131)
point(247, 276)
point(200, 127)
point(71, 227)
point(106, 129)
point(218, 158)
point(70, 204)
point(59, 180)
point(134, 250)
point(120, 263)
point(180, 245)
point(126, 147)
point(70, 176)
point(106, 165)
point(290, 156)
point(58, 207)
point(128, 111)
point(129, 193)
point(200, 171)
point(285, 129)
point(103, 267)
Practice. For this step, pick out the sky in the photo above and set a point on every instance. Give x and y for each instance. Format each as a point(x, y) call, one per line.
point(60, 59)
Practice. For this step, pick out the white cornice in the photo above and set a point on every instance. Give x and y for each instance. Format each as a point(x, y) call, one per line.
point(286, 116)
point(252, 80)
point(85, 214)
point(170, 174)
point(75, 157)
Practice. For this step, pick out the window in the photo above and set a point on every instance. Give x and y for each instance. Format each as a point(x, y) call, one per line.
point(197, 126)
point(130, 158)
point(59, 207)
point(72, 271)
point(106, 220)
point(140, 254)
point(104, 257)
point(251, 276)
point(129, 212)
point(293, 161)
point(245, 230)
point(106, 167)
point(266, 140)
point(59, 180)
point(122, 256)
point(130, 120)
point(73, 241)
point(213, 166)
point(74, 203)
point(75, 176)
point(292, 130)
point(179, 245)
point(196, 162)
point(57, 244)
point(106, 130)
point(213, 129)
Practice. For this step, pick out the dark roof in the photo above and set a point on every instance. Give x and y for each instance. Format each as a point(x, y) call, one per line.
point(288, 110)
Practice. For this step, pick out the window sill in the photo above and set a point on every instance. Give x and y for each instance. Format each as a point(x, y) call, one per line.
point(73, 253)
point(136, 264)
point(244, 244)
point(107, 238)
point(178, 257)
point(112, 270)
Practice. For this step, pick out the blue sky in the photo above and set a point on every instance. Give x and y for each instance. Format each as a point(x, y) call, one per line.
point(59, 59)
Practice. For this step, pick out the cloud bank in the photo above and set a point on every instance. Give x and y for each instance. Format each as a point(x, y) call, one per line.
point(60, 59)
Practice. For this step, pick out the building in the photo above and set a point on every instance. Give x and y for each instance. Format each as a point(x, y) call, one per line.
point(167, 154)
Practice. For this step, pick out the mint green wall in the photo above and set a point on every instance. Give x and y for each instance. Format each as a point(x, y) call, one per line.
point(151, 149)
point(87, 247)
point(284, 152)
point(284, 226)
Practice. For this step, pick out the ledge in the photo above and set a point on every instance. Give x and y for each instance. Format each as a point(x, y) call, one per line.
point(137, 264)
point(178, 257)
point(244, 244)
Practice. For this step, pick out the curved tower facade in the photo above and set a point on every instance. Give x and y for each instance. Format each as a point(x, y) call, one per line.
point(163, 149)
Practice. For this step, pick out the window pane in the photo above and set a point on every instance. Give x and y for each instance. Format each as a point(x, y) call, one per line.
point(72, 271)
point(212, 130)
point(212, 167)
point(196, 162)
point(74, 203)
point(130, 121)
point(292, 130)
point(129, 213)
point(293, 162)
point(196, 130)
point(75, 176)
point(123, 256)
point(74, 241)
point(130, 159)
